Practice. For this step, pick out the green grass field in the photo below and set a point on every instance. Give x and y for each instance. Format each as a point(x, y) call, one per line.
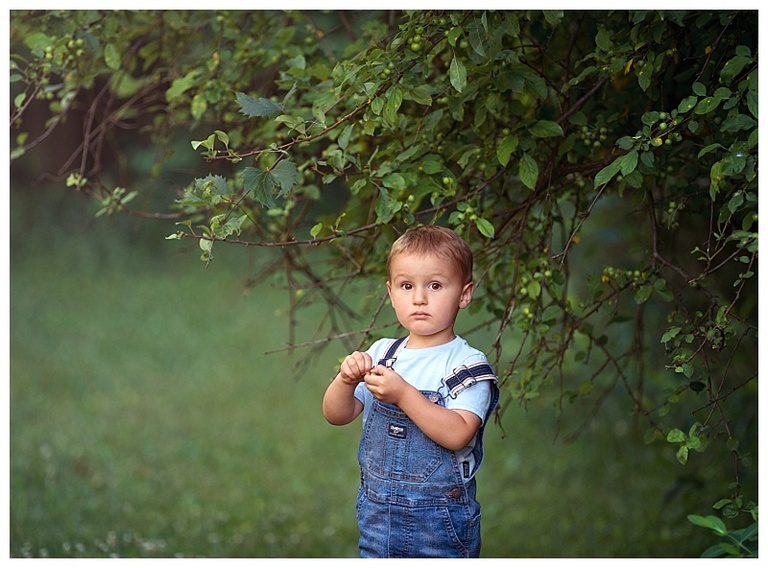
point(147, 421)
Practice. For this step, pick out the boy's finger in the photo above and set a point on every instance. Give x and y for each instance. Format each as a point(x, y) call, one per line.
point(359, 360)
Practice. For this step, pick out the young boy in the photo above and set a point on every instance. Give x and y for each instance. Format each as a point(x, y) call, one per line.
point(425, 401)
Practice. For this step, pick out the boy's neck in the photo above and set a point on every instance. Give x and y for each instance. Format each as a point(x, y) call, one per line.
point(424, 341)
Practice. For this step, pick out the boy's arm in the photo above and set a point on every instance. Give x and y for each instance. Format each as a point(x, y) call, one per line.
point(339, 403)
point(452, 429)
point(340, 406)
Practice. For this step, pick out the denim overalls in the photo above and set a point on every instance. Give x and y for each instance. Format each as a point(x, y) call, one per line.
point(413, 500)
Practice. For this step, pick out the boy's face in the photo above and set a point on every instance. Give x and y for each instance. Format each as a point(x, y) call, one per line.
point(427, 293)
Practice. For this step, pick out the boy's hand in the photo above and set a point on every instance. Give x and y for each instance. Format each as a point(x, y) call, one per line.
point(385, 384)
point(354, 367)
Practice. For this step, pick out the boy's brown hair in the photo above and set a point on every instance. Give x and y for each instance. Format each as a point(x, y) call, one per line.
point(433, 239)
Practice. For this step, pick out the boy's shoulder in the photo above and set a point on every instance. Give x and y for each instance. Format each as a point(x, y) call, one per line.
point(469, 355)
point(464, 345)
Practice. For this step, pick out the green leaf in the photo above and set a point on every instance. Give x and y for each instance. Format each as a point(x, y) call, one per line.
point(687, 104)
point(485, 227)
point(606, 174)
point(454, 34)
point(394, 100)
point(722, 93)
point(752, 102)
point(731, 549)
point(586, 72)
point(715, 177)
point(386, 207)
point(343, 139)
point(534, 289)
point(315, 230)
point(231, 225)
point(707, 105)
point(700, 521)
point(431, 164)
point(222, 136)
point(603, 38)
point(682, 455)
point(738, 122)
point(37, 41)
point(181, 85)
point(112, 57)
point(529, 171)
point(551, 313)
point(198, 106)
point(714, 551)
point(628, 163)
point(206, 246)
point(707, 149)
point(643, 293)
point(736, 202)
point(286, 174)
point(686, 368)
point(733, 67)
point(394, 181)
point(647, 159)
point(676, 436)
point(261, 185)
point(377, 105)
point(746, 534)
point(204, 143)
point(545, 129)
point(251, 106)
point(660, 287)
point(671, 333)
point(296, 123)
point(553, 17)
point(458, 74)
point(711, 522)
point(644, 75)
point(476, 40)
point(419, 95)
point(505, 148)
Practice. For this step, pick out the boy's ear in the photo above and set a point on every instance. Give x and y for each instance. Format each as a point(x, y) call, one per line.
point(466, 295)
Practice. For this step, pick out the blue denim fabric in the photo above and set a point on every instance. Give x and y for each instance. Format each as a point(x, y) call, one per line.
point(413, 501)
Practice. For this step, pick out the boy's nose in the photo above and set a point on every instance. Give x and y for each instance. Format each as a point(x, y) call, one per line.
point(419, 296)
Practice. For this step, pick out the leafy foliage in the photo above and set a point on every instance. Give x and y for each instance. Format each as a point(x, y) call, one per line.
point(741, 543)
point(602, 165)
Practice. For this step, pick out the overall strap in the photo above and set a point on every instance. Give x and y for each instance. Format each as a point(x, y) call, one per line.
point(465, 376)
point(391, 354)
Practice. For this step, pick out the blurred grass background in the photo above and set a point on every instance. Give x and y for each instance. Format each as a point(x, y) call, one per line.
point(147, 421)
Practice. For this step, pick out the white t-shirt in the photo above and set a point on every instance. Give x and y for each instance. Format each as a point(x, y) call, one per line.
point(425, 368)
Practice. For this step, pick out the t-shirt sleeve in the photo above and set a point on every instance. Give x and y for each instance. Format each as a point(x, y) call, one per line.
point(474, 399)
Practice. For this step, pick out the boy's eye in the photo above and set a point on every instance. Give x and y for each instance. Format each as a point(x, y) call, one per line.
point(406, 285)
point(435, 286)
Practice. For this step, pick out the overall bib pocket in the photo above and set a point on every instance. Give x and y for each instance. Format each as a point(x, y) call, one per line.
point(395, 448)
